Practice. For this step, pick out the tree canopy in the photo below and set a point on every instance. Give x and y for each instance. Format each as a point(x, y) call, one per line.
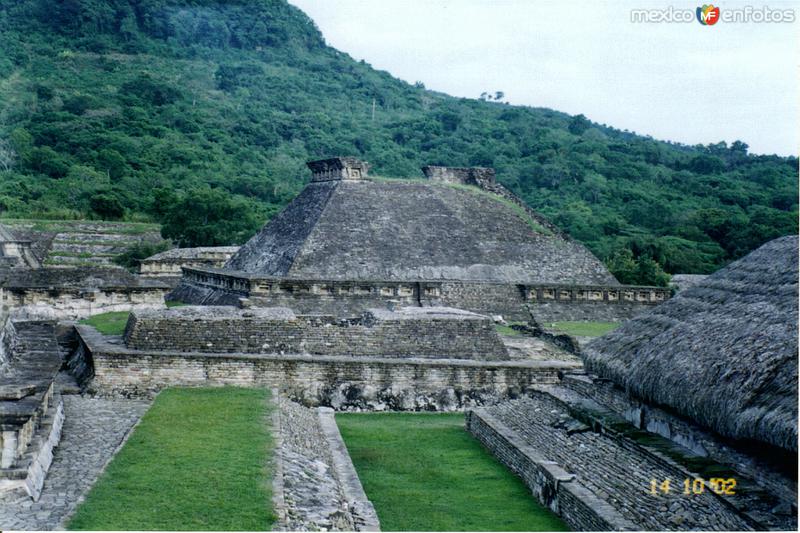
point(134, 109)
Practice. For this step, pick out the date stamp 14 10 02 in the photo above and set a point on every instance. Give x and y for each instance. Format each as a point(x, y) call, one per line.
point(724, 486)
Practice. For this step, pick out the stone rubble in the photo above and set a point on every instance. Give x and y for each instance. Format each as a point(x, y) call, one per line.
point(312, 495)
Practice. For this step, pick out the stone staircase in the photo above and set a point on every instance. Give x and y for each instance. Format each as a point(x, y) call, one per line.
point(31, 409)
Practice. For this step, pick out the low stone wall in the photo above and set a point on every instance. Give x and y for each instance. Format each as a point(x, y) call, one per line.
point(339, 382)
point(167, 266)
point(512, 301)
point(8, 338)
point(551, 485)
point(408, 332)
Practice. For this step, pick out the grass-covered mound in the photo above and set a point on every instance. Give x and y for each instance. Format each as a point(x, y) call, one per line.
point(424, 472)
point(198, 460)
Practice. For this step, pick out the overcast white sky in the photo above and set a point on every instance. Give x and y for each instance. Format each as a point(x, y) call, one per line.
point(683, 82)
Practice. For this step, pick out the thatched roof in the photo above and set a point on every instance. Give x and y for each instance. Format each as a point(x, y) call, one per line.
point(723, 353)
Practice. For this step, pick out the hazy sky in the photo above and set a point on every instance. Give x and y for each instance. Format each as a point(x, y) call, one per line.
point(675, 81)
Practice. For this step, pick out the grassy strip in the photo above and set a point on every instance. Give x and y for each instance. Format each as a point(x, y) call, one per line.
point(585, 329)
point(112, 323)
point(197, 461)
point(424, 472)
point(506, 329)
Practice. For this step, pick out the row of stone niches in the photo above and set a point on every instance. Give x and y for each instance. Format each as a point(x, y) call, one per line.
point(261, 287)
point(643, 295)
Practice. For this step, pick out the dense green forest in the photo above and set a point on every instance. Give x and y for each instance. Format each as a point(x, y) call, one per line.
point(201, 115)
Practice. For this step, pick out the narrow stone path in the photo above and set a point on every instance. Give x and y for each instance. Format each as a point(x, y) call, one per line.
point(93, 430)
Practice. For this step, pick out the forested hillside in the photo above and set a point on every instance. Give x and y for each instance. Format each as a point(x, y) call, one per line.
point(201, 115)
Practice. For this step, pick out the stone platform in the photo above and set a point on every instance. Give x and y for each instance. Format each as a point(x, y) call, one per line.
point(342, 382)
point(583, 460)
point(592, 481)
point(427, 333)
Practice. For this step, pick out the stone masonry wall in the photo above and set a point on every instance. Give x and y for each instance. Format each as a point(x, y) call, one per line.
point(427, 333)
point(548, 482)
point(548, 303)
point(339, 382)
point(72, 303)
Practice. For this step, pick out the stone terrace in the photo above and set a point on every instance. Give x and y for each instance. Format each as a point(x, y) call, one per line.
point(433, 332)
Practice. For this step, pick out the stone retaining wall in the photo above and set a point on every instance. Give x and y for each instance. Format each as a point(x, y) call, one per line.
point(551, 485)
point(339, 382)
point(439, 333)
point(512, 301)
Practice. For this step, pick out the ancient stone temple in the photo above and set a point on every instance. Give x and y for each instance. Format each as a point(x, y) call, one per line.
point(456, 238)
point(723, 353)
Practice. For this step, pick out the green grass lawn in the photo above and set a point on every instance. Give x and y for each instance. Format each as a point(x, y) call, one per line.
point(506, 329)
point(198, 460)
point(424, 472)
point(585, 329)
point(112, 323)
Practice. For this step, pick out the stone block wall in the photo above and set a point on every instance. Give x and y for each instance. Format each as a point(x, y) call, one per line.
point(72, 303)
point(409, 332)
point(339, 382)
point(515, 302)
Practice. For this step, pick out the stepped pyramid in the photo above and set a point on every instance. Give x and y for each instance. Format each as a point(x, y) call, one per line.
point(458, 224)
point(457, 238)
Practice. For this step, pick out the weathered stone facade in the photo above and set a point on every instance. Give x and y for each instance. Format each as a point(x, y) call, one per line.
point(16, 252)
point(31, 411)
point(69, 293)
point(598, 480)
point(432, 332)
point(362, 382)
point(341, 297)
point(167, 266)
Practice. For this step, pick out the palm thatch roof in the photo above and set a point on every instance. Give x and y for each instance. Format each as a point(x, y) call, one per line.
point(723, 353)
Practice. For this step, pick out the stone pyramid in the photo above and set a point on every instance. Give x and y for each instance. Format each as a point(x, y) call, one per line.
point(457, 224)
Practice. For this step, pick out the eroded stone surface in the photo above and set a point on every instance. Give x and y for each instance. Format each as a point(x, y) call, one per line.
point(312, 495)
point(618, 475)
point(92, 432)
